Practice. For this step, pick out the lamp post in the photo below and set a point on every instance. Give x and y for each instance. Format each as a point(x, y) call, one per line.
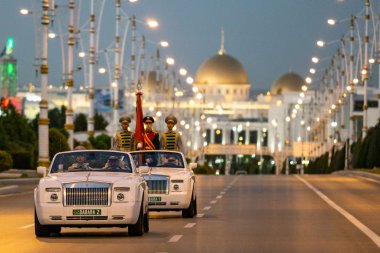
point(91, 62)
point(43, 122)
point(365, 72)
point(69, 126)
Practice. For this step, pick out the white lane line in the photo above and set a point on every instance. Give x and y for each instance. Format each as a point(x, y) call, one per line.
point(368, 232)
point(207, 208)
point(190, 225)
point(27, 226)
point(175, 238)
point(222, 193)
point(15, 194)
point(219, 196)
point(9, 187)
point(213, 201)
point(369, 179)
point(200, 215)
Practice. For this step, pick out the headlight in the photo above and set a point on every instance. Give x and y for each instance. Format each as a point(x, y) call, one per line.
point(120, 196)
point(54, 197)
point(53, 189)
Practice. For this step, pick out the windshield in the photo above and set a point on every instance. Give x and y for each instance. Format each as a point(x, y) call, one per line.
point(102, 161)
point(158, 159)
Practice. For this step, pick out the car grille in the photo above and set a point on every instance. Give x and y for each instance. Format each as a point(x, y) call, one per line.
point(157, 184)
point(87, 194)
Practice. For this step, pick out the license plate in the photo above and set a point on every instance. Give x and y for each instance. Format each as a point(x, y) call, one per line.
point(87, 212)
point(154, 199)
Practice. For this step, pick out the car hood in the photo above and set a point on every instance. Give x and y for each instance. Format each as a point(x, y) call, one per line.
point(105, 177)
point(168, 172)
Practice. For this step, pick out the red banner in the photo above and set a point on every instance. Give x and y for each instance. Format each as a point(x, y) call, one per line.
point(139, 130)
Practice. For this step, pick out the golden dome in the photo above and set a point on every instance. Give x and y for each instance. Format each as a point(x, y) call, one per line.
point(290, 82)
point(221, 69)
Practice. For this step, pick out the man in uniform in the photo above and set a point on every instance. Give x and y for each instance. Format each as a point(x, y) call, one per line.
point(124, 139)
point(151, 137)
point(171, 140)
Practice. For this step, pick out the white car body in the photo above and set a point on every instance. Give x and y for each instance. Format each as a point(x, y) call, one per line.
point(96, 195)
point(172, 187)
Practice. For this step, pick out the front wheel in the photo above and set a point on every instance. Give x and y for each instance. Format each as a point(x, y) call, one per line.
point(138, 228)
point(191, 210)
point(44, 230)
point(146, 222)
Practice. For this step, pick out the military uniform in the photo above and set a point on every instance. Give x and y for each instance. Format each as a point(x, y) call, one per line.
point(171, 140)
point(124, 139)
point(151, 137)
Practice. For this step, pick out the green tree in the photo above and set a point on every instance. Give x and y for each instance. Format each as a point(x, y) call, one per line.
point(102, 141)
point(100, 122)
point(57, 142)
point(80, 122)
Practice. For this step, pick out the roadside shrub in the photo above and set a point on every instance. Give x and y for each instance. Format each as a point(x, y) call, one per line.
point(6, 161)
point(204, 169)
point(22, 159)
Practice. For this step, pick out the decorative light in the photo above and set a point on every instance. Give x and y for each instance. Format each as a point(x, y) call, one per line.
point(302, 122)
point(170, 61)
point(297, 106)
point(312, 70)
point(195, 89)
point(320, 43)
point(333, 106)
point(214, 126)
point(24, 11)
point(152, 23)
point(182, 122)
point(331, 21)
point(371, 60)
point(355, 81)
point(52, 35)
point(299, 101)
point(159, 114)
point(287, 119)
point(304, 88)
point(302, 95)
point(315, 59)
point(182, 72)
point(197, 123)
point(308, 128)
point(189, 80)
point(164, 43)
point(199, 96)
point(209, 120)
point(308, 80)
point(102, 70)
point(187, 126)
point(82, 54)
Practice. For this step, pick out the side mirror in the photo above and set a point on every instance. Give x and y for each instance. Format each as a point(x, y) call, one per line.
point(143, 169)
point(193, 166)
point(41, 170)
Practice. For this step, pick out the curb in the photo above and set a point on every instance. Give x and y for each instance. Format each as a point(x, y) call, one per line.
point(358, 173)
point(9, 189)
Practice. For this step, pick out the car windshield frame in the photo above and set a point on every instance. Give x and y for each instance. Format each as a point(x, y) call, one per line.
point(158, 159)
point(91, 161)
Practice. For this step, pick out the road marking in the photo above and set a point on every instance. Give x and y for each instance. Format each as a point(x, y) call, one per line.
point(15, 194)
point(369, 179)
point(213, 201)
point(368, 232)
point(207, 208)
point(190, 225)
point(175, 238)
point(200, 215)
point(9, 187)
point(222, 193)
point(219, 196)
point(27, 226)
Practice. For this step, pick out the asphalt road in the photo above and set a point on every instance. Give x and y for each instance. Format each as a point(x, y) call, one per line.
point(329, 213)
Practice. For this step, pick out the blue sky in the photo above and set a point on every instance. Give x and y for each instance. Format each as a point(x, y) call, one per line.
point(269, 37)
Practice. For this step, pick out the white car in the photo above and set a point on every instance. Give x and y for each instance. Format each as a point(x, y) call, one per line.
point(91, 188)
point(171, 181)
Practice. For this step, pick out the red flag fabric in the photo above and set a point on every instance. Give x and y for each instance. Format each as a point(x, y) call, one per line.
point(139, 130)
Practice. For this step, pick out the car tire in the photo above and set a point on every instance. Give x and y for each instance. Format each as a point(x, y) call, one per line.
point(138, 228)
point(146, 222)
point(40, 230)
point(190, 211)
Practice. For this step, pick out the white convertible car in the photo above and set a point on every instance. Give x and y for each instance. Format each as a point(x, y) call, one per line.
point(91, 188)
point(171, 181)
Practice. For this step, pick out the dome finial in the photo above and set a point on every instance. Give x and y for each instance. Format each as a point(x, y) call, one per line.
point(221, 50)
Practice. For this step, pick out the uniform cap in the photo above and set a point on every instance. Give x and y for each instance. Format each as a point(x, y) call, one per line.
point(171, 118)
point(148, 119)
point(125, 119)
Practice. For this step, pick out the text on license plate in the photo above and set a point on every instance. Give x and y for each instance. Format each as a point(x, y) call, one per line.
point(87, 212)
point(153, 199)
